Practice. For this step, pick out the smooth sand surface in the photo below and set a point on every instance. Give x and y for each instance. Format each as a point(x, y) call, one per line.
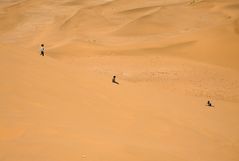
point(169, 56)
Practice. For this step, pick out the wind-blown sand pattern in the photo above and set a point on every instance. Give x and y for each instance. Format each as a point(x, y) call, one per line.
point(170, 57)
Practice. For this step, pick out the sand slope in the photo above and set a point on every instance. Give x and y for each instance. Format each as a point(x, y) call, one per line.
point(169, 57)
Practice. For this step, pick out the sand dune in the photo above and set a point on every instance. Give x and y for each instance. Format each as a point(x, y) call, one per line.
point(170, 57)
point(167, 21)
point(141, 9)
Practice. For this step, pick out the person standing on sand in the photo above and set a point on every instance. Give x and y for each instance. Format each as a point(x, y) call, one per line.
point(42, 50)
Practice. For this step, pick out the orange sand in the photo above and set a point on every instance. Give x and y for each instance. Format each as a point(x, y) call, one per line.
point(169, 56)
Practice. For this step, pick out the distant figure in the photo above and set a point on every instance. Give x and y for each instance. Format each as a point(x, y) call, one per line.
point(209, 103)
point(113, 80)
point(42, 50)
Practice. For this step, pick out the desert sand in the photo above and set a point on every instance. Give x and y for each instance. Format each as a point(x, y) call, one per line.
point(169, 56)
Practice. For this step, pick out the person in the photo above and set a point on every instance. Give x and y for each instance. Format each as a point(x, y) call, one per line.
point(113, 80)
point(42, 50)
point(209, 103)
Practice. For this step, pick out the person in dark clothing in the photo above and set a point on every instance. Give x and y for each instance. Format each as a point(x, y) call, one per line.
point(209, 103)
point(114, 80)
